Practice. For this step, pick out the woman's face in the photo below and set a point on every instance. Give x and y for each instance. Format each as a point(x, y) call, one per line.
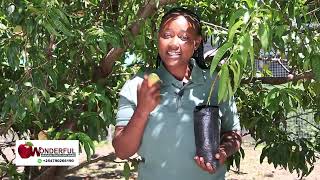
point(177, 41)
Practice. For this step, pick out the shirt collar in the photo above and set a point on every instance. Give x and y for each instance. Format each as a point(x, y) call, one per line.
point(197, 75)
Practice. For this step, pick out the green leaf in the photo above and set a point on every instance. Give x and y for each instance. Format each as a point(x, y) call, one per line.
point(13, 53)
point(87, 144)
point(28, 84)
point(224, 78)
point(29, 143)
point(230, 91)
point(50, 28)
point(39, 124)
point(244, 48)
point(236, 15)
point(251, 54)
point(52, 100)
point(235, 68)
point(106, 113)
point(72, 137)
point(264, 33)
point(216, 59)
point(90, 142)
point(306, 64)
point(45, 94)
point(20, 112)
point(280, 30)
point(291, 9)
point(62, 27)
point(62, 16)
point(234, 29)
point(242, 152)
point(59, 25)
point(271, 96)
point(250, 3)
point(237, 160)
point(102, 44)
point(36, 103)
point(317, 117)
point(310, 170)
point(87, 150)
point(53, 76)
point(263, 154)
point(315, 63)
point(126, 170)
point(92, 102)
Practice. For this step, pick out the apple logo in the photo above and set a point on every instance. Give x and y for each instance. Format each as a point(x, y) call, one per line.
point(25, 150)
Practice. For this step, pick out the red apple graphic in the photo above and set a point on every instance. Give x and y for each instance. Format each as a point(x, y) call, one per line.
point(25, 150)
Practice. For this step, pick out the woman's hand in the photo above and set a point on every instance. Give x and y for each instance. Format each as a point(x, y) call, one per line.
point(147, 97)
point(221, 156)
point(127, 138)
point(230, 143)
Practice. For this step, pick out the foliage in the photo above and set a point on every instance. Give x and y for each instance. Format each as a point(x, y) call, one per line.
point(266, 112)
point(50, 51)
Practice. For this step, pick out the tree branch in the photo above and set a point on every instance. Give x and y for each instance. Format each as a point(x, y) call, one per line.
point(7, 144)
point(278, 80)
point(145, 11)
point(47, 173)
point(109, 157)
point(115, 10)
point(316, 9)
point(102, 6)
point(4, 156)
point(214, 25)
point(7, 126)
point(301, 114)
point(50, 47)
point(313, 125)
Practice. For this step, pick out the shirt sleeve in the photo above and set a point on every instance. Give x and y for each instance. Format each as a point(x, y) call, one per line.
point(126, 105)
point(230, 118)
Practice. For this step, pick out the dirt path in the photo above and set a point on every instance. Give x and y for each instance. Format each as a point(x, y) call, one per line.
point(251, 169)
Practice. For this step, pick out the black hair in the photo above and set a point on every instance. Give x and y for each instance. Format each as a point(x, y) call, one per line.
point(198, 53)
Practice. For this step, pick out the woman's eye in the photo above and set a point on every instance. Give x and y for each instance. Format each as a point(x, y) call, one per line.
point(167, 35)
point(184, 38)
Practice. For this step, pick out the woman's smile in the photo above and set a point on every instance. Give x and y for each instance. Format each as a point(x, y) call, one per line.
point(178, 40)
point(174, 54)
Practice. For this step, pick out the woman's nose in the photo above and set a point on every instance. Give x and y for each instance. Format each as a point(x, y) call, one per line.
point(174, 43)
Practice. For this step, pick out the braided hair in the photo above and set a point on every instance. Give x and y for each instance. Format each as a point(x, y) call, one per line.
point(198, 53)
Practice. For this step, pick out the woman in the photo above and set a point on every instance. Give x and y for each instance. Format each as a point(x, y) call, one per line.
point(157, 121)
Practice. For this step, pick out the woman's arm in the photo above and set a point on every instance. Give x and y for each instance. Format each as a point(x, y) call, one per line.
point(127, 138)
point(230, 144)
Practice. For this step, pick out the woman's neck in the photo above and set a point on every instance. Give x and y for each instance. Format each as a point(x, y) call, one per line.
point(181, 74)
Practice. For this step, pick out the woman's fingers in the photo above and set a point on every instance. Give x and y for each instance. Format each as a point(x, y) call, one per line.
point(197, 159)
point(204, 166)
point(221, 156)
point(145, 81)
point(148, 97)
point(209, 168)
point(155, 88)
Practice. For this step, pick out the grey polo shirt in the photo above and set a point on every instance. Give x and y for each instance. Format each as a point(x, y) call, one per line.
point(168, 144)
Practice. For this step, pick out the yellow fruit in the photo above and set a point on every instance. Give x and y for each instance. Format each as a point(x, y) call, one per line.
point(80, 13)
point(152, 79)
point(43, 135)
point(17, 30)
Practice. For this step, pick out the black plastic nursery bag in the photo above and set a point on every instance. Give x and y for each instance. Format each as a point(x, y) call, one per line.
point(207, 125)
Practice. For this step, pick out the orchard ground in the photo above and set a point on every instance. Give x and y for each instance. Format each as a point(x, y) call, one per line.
point(251, 169)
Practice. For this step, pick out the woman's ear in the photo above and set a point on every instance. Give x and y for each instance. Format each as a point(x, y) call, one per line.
point(197, 42)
